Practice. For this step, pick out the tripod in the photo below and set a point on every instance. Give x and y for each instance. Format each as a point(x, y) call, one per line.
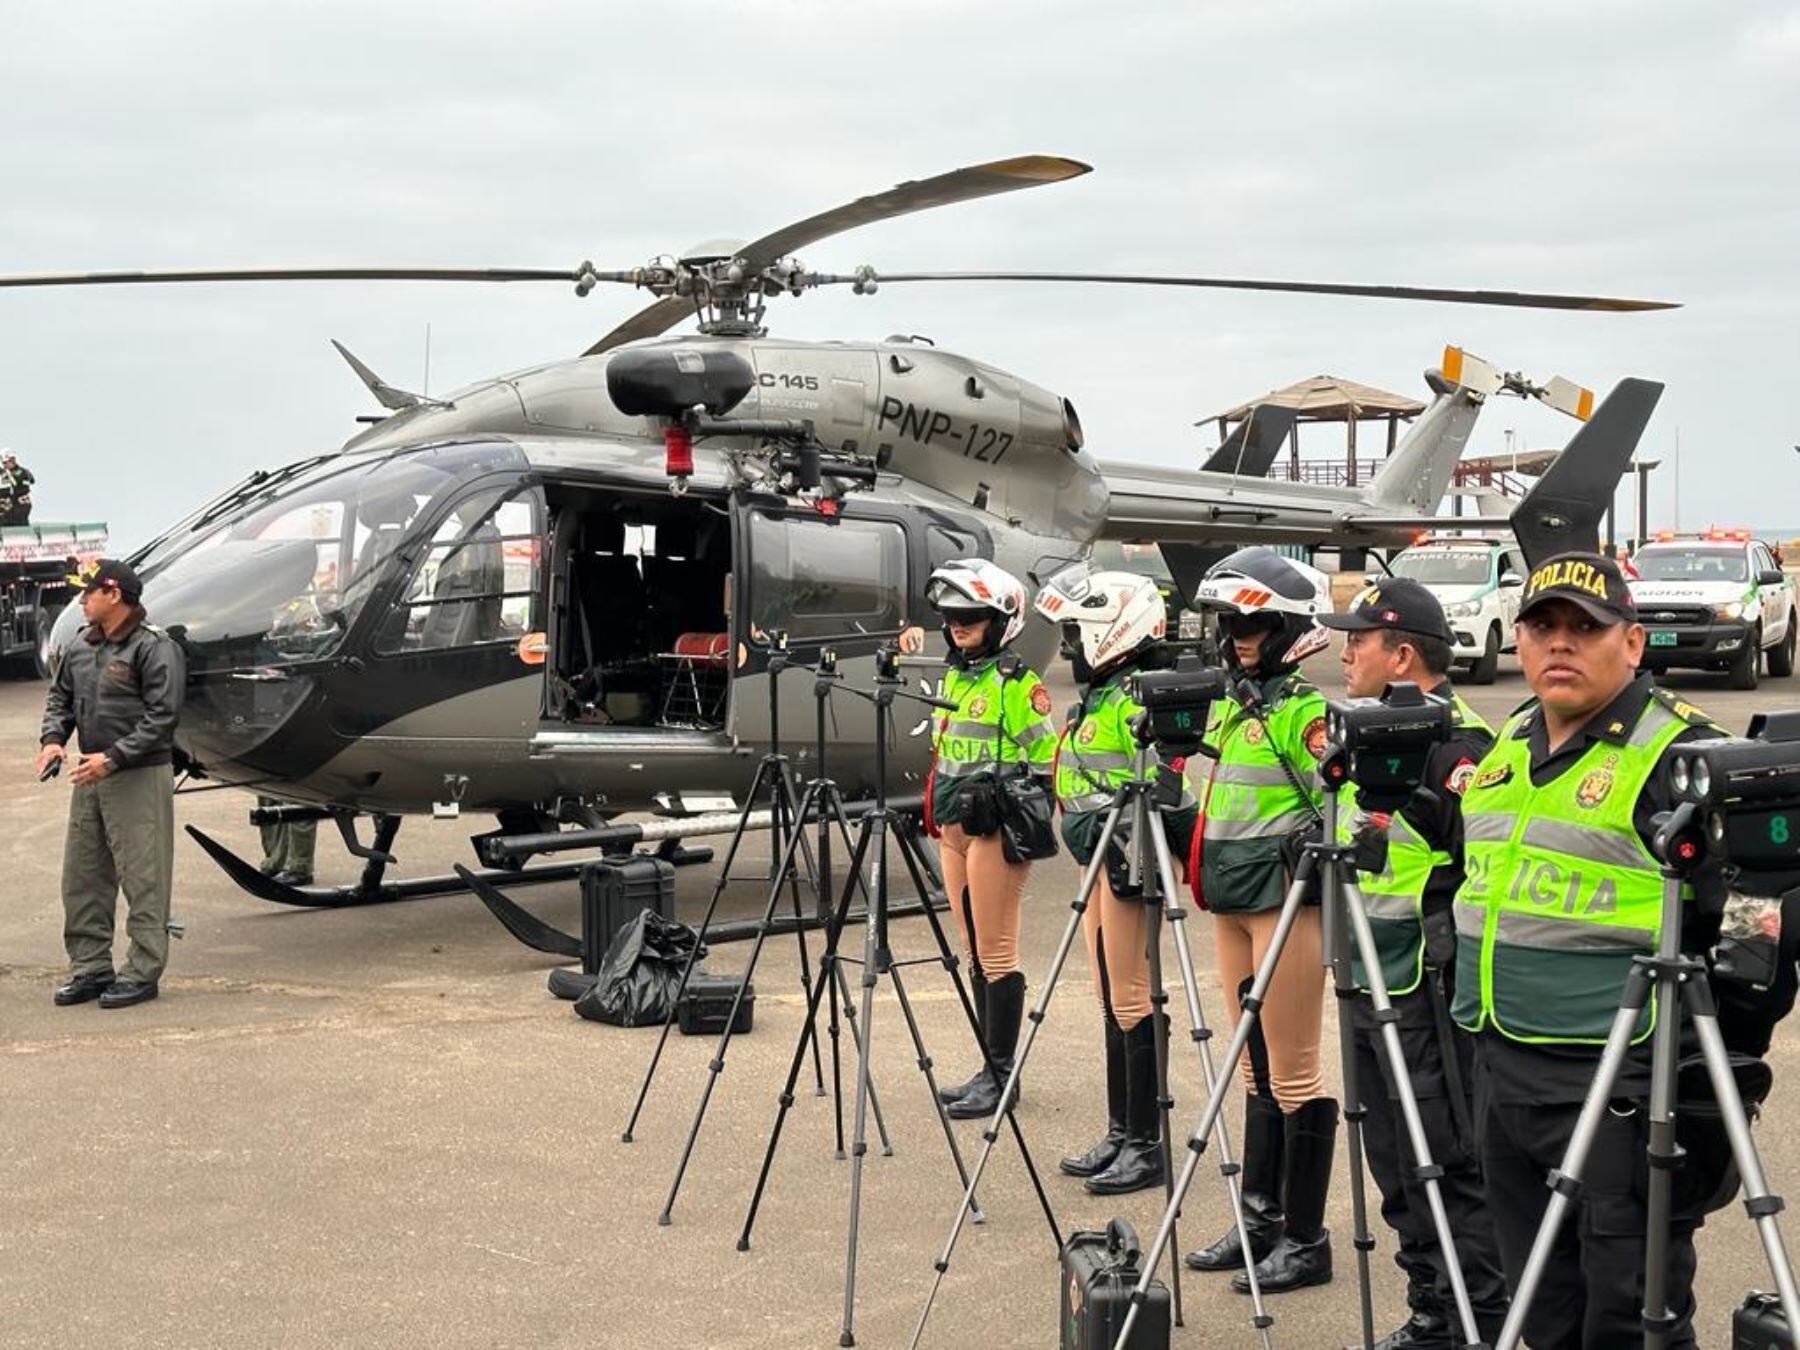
point(1152, 868)
point(823, 799)
point(1681, 990)
point(871, 849)
point(1342, 902)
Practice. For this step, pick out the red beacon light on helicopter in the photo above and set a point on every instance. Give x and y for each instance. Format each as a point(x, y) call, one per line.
point(678, 450)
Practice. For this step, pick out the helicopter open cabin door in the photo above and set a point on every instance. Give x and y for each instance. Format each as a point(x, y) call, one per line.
point(841, 583)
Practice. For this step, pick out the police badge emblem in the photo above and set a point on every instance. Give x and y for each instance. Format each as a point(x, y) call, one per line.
point(1253, 733)
point(1089, 730)
point(1593, 788)
point(978, 708)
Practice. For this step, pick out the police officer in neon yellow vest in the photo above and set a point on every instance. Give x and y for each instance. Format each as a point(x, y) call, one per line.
point(1561, 892)
point(1113, 624)
point(1395, 631)
point(1002, 724)
point(1260, 798)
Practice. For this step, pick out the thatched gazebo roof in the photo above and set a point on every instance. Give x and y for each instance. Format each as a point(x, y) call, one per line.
point(1327, 398)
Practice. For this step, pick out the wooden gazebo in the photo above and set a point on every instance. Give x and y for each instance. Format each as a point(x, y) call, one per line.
point(1328, 398)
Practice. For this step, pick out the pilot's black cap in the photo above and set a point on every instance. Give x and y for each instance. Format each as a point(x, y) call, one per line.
point(104, 572)
point(1590, 580)
point(1397, 603)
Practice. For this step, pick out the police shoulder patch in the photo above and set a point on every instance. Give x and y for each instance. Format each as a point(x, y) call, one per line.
point(1040, 700)
point(1315, 738)
point(1687, 712)
point(1461, 776)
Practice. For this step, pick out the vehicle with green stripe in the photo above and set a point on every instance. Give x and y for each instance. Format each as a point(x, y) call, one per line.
point(1715, 601)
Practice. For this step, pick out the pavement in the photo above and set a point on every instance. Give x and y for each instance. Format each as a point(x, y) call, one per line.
point(376, 1127)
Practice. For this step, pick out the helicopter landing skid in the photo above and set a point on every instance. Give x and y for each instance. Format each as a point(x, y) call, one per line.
point(371, 890)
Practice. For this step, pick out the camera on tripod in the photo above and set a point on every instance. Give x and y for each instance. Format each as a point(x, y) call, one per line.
point(1383, 745)
point(887, 661)
point(1176, 703)
point(1746, 793)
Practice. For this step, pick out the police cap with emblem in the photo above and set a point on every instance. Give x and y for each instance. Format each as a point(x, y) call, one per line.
point(1397, 603)
point(110, 572)
point(1588, 580)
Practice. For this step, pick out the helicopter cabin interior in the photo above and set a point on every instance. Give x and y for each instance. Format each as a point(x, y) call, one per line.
point(644, 587)
point(640, 610)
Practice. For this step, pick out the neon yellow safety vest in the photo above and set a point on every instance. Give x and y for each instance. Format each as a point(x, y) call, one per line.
point(1002, 717)
point(1394, 899)
point(1099, 754)
point(1251, 802)
point(1559, 891)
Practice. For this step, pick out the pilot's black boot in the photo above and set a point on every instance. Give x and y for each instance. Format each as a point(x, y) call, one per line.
point(1264, 1145)
point(1005, 1011)
point(978, 997)
point(1100, 1157)
point(1303, 1255)
point(1139, 1165)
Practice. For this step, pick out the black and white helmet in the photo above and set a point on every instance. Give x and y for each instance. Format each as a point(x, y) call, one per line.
point(1260, 581)
point(976, 583)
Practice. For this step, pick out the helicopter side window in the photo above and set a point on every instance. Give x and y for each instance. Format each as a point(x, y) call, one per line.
point(822, 579)
point(476, 582)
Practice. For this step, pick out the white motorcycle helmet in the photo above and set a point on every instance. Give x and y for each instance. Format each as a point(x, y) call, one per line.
point(965, 585)
point(1259, 583)
point(1104, 616)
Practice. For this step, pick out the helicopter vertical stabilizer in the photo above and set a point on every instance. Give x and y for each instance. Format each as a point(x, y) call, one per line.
point(1251, 448)
point(1563, 510)
point(1415, 477)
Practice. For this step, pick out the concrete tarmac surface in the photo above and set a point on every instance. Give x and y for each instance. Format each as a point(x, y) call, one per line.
point(375, 1127)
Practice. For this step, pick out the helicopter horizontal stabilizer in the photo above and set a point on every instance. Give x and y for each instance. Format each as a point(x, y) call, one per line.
point(396, 400)
point(1253, 444)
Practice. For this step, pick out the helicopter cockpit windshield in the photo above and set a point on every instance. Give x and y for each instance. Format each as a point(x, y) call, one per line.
point(281, 580)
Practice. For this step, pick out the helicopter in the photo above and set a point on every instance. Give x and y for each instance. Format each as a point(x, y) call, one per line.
point(560, 595)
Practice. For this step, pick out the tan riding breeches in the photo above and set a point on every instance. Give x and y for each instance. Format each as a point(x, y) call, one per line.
point(1116, 931)
point(990, 917)
point(1294, 1008)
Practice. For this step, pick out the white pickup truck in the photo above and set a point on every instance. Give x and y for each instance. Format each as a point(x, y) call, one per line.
point(1478, 582)
point(1714, 601)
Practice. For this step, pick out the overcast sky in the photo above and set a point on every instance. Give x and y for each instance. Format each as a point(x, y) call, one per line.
point(1618, 148)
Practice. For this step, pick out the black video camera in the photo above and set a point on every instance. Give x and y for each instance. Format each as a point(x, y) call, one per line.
point(1746, 795)
point(1177, 703)
point(887, 661)
point(1383, 744)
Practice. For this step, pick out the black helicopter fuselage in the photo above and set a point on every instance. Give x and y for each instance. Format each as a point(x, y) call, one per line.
point(498, 602)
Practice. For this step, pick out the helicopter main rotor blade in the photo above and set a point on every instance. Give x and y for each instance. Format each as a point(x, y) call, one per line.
point(293, 274)
point(959, 185)
point(656, 317)
point(1450, 295)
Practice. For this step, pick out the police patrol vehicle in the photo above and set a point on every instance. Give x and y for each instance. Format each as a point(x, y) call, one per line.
point(1478, 581)
point(1713, 601)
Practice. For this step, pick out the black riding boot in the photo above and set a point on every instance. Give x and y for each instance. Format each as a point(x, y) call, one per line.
point(1264, 1146)
point(1303, 1255)
point(1098, 1158)
point(978, 997)
point(1140, 1161)
point(1005, 1011)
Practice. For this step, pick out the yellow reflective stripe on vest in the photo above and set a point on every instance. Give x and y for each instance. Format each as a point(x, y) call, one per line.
point(1257, 827)
point(1252, 775)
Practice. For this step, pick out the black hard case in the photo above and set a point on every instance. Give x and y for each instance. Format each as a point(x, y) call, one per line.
point(613, 893)
point(1759, 1325)
point(706, 1003)
point(1099, 1271)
